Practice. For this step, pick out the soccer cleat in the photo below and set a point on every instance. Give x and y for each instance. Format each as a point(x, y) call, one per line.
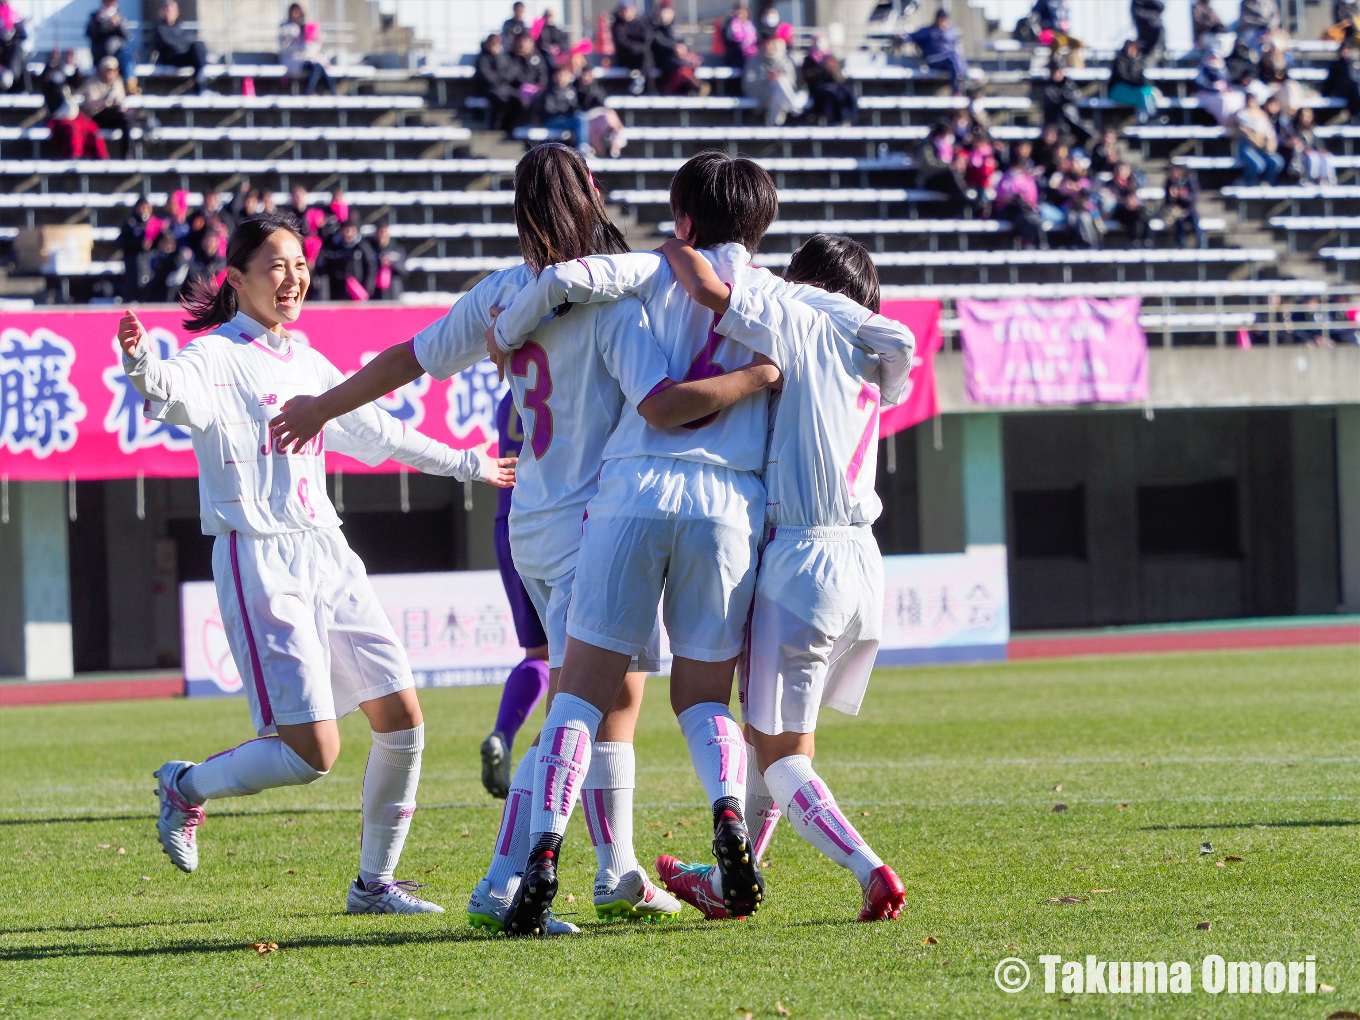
point(179, 820)
point(496, 765)
point(387, 898)
point(743, 886)
point(884, 896)
point(529, 910)
point(693, 883)
point(486, 910)
point(633, 897)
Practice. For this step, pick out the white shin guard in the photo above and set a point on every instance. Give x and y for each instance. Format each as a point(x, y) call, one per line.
point(390, 782)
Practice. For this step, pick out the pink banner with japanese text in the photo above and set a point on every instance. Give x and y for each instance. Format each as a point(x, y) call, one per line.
point(1069, 351)
point(67, 410)
point(921, 401)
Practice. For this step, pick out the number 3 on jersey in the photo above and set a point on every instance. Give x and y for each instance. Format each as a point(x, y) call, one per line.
point(868, 395)
point(536, 398)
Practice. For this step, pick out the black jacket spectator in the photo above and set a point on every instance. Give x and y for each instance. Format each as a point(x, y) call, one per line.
point(1204, 20)
point(1180, 208)
point(14, 75)
point(633, 44)
point(390, 280)
point(107, 33)
point(1147, 23)
point(177, 46)
point(1129, 68)
point(559, 101)
point(830, 99)
point(527, 68)
point(514, 27)
point(1343, 79)
point(553, 42)
point(493, 82)
point(347, 257)
point(1059, 98)
point(591, 94)
point(60, 80)
point(132, 241)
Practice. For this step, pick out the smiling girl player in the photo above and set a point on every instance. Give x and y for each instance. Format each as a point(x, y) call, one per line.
point(304, 625)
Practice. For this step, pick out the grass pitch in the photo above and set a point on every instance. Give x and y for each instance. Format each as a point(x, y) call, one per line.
point(950, 773)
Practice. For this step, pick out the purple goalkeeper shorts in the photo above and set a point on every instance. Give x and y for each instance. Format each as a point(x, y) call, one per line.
point(528, 627)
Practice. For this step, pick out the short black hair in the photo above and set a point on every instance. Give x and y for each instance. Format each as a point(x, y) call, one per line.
point(725, 199)
point(837, 264)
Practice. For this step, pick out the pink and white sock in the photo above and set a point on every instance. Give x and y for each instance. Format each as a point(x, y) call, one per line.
point(512, 842)
point(812, 809)
point(717, 749)
point(607, 796)
point(261, 764)
point(762, 813)
point(390, 782)
point(563, 762)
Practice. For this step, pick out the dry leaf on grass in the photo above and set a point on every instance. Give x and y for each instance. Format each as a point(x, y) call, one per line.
point(1014, 949)
point(781, 1009)
point(653, 825)
point(429, 871)
point(146, 878)
point(1229, 859)
point(105, 846)
point(686, 821)
point(122, 849)
point(668, 834)
point(1059, 807)
point(744, 1013)
point(1121, 807)
point(931, 940)
point(291, 871)
point(1069, 899)
point(231, 853)
point(1168, 858)
point(1058, 788)
point(359, 982)
point(253, 987)
point(1145, 764)
point(1102, 890)
point(571, 897)
point(1325, 988)
point(1084, 867)
point(1219, 864)
point(864, 814)
point(265, 947)
point(1204, 925)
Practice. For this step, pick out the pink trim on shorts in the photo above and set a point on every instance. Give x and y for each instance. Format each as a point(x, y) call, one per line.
point(266, 710)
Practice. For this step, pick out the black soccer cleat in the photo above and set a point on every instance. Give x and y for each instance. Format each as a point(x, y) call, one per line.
point(743, 886)
point(528, 913)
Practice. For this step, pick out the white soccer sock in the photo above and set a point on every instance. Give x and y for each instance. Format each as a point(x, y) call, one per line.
point(607, 795)
point(512, 842)
point(563, 761)
point(810, 807)
point(717, 749)
point(260, 764)
point(390, 782)
point(762, 813)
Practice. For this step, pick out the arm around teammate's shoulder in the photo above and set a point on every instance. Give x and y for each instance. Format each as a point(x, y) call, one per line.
point(895, 346)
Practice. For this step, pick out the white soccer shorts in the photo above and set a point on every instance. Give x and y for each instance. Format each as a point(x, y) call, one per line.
point(551, 599)
point(306, 630)
point(687, 528)
point(815, 627)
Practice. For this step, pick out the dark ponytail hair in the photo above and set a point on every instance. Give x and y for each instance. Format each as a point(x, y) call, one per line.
point(558, 212)
point(211, 305)
point(837, 264)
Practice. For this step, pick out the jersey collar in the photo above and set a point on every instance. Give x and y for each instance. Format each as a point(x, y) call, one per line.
point(243, 328)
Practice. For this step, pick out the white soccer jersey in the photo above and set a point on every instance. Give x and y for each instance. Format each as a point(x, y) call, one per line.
point(684, 329)
point(571, 382)
point(225, 388)
point(823, 452)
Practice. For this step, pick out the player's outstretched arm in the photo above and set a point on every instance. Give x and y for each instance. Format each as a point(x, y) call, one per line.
point(684, 402)
point(302, 418)
point(177, 389)
point(696, 276)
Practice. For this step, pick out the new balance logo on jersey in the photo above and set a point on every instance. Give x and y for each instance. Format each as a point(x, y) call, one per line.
point(269, 400)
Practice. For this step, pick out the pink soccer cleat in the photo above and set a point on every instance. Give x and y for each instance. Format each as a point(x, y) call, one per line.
point(693, 883)
point(884, 896)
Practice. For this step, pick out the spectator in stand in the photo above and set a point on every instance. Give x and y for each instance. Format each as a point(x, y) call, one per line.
point(830, 99)
point(300, 51)
point(1308, 161)
point(298, 206)
point(552, 41)
point(675, 63)
point(769, 79)
point(212, 210)
point(177, 46)
point(558, 107)
point(389, 280)
point(1054, 23)
point(605, 135)
point(1017, 198)
point(1126, 208)
point(1343, 77)
point(933, 156)
point(1180, 207)
point(348, 264)
point(941, 48)
point(14, 75)
point(492, 81)
point(740, 39)
point(1079, 206)
point(1205, 24)
point(135, 237)
point(1105, 154)
point(104, 100)
point(1273, 71)
point(1257, 145)
point(984, 169)
point(633, 47)
point(248, 205)
point(177, 223)
point(1257, 18)
point(1215, 92)
point(528, 74)
point(1345, 19)
point(1050, 137)
point(60, 79)
point(514, 27)
point(1129, 85)
point(168, 269)
point(209, 255)
point(1147, 25)
point(109, 37)
point(1060, 105)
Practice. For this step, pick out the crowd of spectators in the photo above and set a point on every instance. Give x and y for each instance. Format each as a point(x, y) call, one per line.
point(163, 250)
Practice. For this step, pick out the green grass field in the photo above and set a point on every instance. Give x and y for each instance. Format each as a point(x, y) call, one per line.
point(950, 773)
